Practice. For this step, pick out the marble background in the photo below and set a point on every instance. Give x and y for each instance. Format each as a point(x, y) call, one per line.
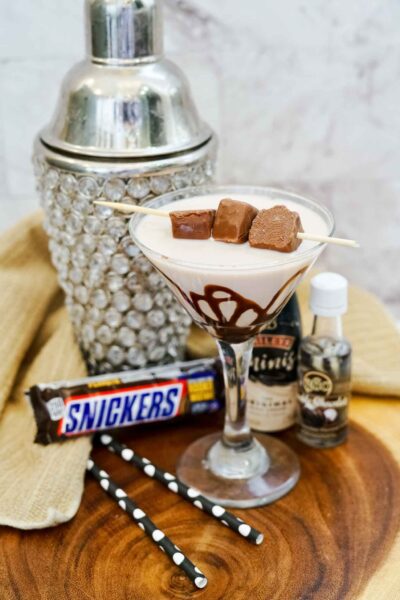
point(303, 94)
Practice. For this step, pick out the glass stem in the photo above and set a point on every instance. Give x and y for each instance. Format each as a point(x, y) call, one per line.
point(236, 361)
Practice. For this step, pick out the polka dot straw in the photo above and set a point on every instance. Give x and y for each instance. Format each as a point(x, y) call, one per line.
point(178, 487)
point(146, 524)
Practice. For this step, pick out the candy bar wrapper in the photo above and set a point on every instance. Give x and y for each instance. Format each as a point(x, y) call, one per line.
point(66, 409)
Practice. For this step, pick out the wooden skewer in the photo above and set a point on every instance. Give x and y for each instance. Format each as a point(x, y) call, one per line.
point(328, 240)
point(132, 208)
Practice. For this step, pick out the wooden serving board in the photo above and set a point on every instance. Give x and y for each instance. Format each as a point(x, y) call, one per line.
point(334, 537)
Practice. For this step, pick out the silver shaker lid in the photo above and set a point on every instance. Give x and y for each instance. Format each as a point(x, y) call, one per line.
point(124, 30)
point(125, 99)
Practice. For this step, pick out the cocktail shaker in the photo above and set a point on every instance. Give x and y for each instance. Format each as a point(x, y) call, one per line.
point(125, 129)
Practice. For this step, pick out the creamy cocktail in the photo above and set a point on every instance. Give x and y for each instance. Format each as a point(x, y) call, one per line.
point(229, 289)
point(232, 290)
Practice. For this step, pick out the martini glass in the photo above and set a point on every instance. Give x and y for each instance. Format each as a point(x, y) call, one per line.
point(233, 303)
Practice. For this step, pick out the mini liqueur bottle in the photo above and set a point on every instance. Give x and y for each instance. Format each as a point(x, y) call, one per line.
point(324, 368)
point(272, 388)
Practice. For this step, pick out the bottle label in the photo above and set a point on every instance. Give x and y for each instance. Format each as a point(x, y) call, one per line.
point(272, 388)
point(321, 406)
point(272, 407)
point(315, 382)
point(274, 359)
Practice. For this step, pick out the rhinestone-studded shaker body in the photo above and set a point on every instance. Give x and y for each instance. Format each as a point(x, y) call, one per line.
point(124, 315)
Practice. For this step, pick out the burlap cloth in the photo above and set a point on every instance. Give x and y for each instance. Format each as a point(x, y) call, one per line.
point(42, 486)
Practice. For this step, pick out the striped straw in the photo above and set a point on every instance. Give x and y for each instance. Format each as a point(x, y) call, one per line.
point(174, 553)
point(178, 487)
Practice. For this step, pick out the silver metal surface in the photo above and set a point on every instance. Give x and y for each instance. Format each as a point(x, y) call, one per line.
point(137, 167)
point(132, 102)
point(123, 31)
point(136, 111)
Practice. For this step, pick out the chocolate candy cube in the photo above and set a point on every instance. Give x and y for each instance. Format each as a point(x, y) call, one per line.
point(192, 224)
point(276, 228)
point(233, 221)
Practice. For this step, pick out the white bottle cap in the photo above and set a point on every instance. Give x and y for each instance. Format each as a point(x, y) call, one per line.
point(328, 296)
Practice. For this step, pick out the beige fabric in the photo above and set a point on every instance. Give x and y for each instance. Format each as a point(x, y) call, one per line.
point(375, 340)
point(42, 486)
point(39, 486)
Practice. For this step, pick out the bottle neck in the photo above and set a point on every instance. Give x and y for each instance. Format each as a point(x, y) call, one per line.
point(328, 327)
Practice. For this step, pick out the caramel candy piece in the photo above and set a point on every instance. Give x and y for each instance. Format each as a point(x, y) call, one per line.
point(233, 221)
point(192, 224)
point(276, 228)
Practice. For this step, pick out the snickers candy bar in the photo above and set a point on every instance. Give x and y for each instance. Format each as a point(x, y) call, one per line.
point(67, 409)
point(192, 224)
point(233, 221)
point(276, 229)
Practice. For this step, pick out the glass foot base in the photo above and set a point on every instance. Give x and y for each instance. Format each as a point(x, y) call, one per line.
point(278, 472)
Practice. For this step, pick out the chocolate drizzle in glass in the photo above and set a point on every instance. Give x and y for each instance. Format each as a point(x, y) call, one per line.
point(231, 317)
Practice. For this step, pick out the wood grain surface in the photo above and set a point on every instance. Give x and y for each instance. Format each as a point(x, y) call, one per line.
point(323, 541)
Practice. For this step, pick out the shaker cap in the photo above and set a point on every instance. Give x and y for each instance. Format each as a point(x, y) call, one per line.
point(123, 30)
point(125, 100)
point(328, 295)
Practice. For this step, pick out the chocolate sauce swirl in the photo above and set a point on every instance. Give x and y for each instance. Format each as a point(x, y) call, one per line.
point(242, 318)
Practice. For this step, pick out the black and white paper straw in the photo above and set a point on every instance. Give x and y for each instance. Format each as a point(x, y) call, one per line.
point(178, 487)
point(146, 524)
